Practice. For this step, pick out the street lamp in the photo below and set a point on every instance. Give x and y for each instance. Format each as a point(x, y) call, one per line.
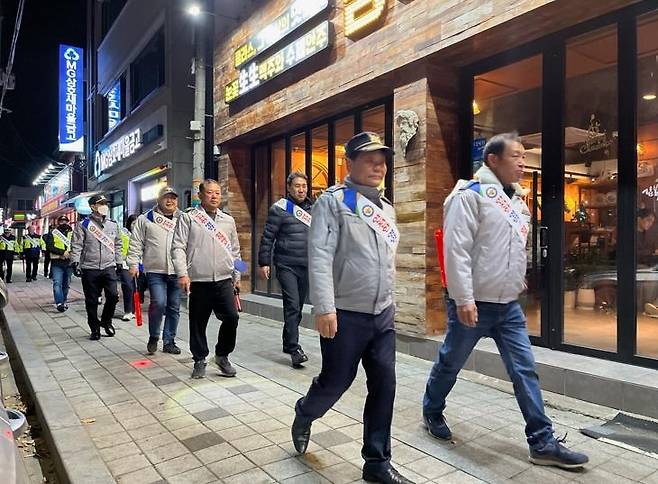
point(194, 10)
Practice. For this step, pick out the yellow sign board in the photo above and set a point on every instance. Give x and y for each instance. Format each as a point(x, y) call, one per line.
point(361, 14)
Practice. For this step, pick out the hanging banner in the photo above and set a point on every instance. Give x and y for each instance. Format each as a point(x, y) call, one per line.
point(71, 99)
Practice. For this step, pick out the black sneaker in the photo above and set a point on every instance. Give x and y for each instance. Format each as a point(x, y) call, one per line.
point(152, 345)
point(28, 280)
point(387, 476)
point(109, 330)
point(225, 367)
point(199, 370)
point(437, 427)
point(95, 335)
point(171, 348)
point(61, 308)
point(298, 357)
point(555, 454)
point(301, 434)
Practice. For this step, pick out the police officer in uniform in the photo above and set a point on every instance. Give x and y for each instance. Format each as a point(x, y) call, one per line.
point(8, 249)
point(47, 269)
point(204, 251)
point(59, 247)
point(31, 252)
point(96, 257)
point(352, 245)
point(286, 235)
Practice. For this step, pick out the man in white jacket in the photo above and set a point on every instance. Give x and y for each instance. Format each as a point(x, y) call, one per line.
point(485, 234)
point(150, 244)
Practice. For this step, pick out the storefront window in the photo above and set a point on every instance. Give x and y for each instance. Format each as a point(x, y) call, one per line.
point(375, 120)
point(147, 71)
point(262, 205)
point(510, 99)
point(647, 186)
point(320, 160)
point(298, 154)
point(344, 130)
point(279, 191)
point(590, 153)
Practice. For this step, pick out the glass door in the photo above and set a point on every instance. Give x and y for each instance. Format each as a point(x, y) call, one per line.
point(509, 98)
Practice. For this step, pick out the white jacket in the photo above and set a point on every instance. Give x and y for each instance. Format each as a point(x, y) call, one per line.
point(485, 258)
point(151, 244)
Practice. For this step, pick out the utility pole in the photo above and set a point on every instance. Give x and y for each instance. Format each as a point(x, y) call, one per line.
point(199, 122)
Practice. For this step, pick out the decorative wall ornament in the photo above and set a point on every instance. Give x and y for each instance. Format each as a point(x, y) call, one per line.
point(597, 138)
point(407, 122)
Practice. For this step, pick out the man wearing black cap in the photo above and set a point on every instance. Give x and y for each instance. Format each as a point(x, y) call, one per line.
point(59, 247)
point(150, 243)
point(352, 245)
point(96, 257)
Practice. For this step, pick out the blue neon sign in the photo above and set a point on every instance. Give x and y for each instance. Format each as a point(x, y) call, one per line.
point(71, 99)
point(114, 105)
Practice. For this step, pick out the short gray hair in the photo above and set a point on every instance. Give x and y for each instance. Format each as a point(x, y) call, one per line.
point(206, 182)
point(496, 145)
point(295, 174)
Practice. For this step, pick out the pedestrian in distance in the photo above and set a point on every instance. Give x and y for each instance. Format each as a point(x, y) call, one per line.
point(352, 245)
point(96, 258)
point(47, 270)
point(31, 253)
point(127, 281)
point(485, 227)
point(206, 256)
point(285, 237)
point(9, 249)
point(150, 243)
point(59, 248)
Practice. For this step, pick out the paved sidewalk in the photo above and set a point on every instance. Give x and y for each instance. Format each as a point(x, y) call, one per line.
point(149, 422)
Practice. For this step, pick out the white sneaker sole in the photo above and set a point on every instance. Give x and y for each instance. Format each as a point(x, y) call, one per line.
point(552, 463)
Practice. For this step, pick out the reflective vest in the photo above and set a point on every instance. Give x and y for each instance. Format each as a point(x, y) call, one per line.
point(125, 241)
point(59, 244)
point(31, 242)
point(10, 245)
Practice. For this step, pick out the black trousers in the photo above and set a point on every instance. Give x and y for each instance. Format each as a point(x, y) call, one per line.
point(206, 298)
point(31, 266)
point(369, 339)
point(47, 272)
point(93, 283)
point(6, 265)
point(294, 288)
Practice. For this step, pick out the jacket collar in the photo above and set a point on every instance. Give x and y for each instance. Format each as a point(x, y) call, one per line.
point(486, 176)
point(156, 208)
point(305, 203)
point(97, 218)
point(374, 194)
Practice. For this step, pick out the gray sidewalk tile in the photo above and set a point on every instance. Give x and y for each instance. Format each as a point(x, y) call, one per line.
point(143, 476)
point(178, 465)
point(165, 452)
point(128, 464)
point(231, 466)
point(203, 441)
point(330, 438)
point(284, 469)
point(216, 453)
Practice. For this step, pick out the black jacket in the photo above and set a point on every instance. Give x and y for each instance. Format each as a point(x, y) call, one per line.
point(286, 236)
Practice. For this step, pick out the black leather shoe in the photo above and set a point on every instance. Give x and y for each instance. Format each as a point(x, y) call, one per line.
point(298, 358)
point(109, 330)
point(152, 345)
point(95, 335)
point(388, 476)
point(301, 434)
point(437, 427)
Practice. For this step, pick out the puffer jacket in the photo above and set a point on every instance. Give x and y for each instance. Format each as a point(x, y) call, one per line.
point(286, 236)
point(485, 258)
point(197, 255)
point(89, 252)
point(350, 267)
point(151, 244)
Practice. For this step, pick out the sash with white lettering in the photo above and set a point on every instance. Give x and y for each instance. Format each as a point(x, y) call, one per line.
point(33, 243)
point(98, 234)
point(371, 214)
point(161, 221)
point(503, 204)
point(202, 218)
point(62, 238)
point(298, 212)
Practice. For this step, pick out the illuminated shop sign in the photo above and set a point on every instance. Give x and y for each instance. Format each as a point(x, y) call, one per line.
point(71, 99)
point(297, 14)
point(117, 151)
point(257, 72)
point(114, 105)
point(361, 14)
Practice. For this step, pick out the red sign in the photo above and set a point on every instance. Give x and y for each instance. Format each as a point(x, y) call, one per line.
point(51, 205)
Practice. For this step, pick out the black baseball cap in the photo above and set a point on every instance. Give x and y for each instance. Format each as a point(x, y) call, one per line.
point(63, 218)
point(100, 198)
point(363, 142)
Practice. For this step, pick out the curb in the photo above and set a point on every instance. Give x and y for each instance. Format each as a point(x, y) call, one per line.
point(75, 457)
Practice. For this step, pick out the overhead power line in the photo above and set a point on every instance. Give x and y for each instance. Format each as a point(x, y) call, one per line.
point(12, 52)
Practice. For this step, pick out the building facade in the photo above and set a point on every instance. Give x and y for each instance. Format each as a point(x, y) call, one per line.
point(436, 79)
point(141, 101)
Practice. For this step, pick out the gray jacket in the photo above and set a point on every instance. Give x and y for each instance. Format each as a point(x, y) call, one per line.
point(89, 252)
point(151, 244)
point(350, 267)
point(485, 258)
point(196, 254)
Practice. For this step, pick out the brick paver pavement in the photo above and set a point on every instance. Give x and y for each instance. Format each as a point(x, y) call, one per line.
point(153, 423)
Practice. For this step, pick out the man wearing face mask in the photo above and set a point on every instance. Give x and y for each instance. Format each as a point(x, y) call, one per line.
point(351, 251)
point(96, 257)
point(150, 243)
point(485, 234)
point(286, 234)
point(206, 256)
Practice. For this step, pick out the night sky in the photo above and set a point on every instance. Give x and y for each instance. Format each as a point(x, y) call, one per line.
point(28, 135)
